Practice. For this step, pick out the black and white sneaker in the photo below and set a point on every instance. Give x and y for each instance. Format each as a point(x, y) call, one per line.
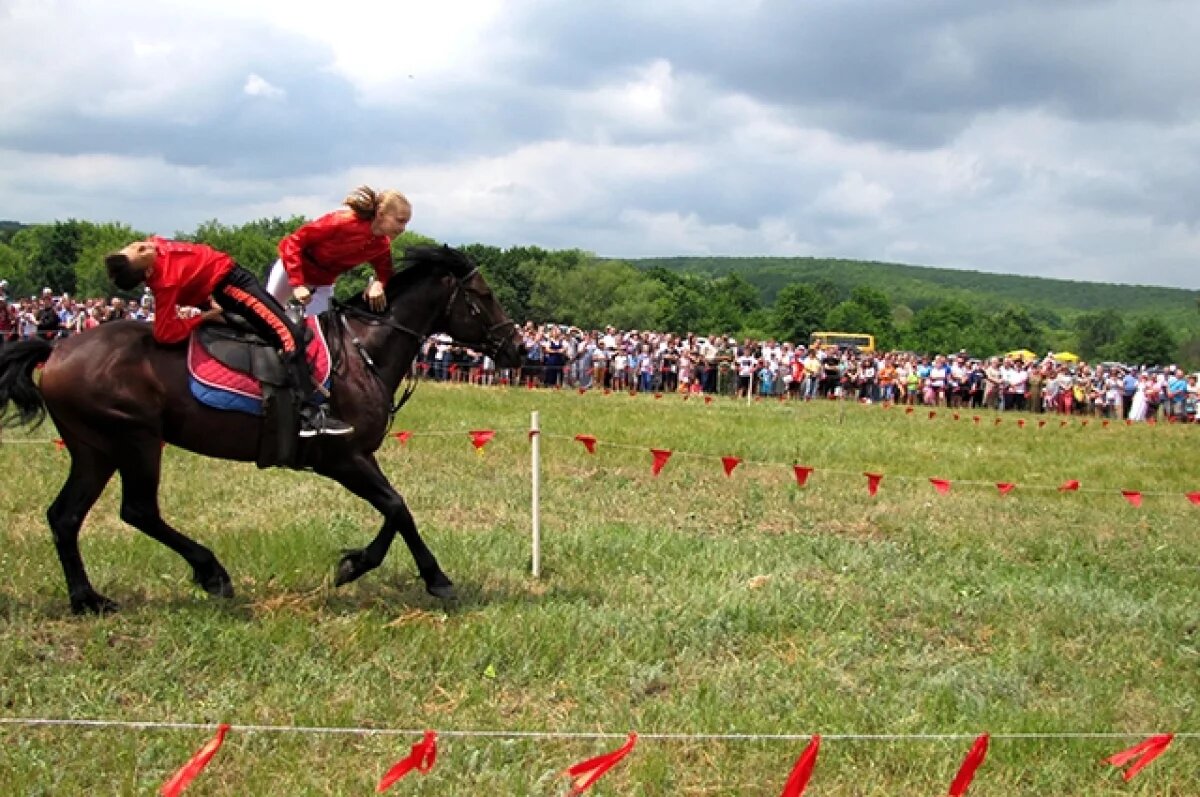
point(316, 421)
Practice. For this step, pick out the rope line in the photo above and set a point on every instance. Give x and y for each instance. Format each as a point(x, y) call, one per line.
point(591, 735)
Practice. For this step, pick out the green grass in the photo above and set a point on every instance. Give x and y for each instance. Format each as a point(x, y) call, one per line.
point(685, 604)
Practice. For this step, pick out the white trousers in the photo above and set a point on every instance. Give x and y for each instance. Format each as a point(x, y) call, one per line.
point(277, 286)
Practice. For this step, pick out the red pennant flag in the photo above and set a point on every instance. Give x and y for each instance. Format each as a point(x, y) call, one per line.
point(608, 391)
point(1084, 422)
point(589, 442)
point(1129, 422)
point(402, 437)
point(976, 419)
point(908, 410)
point(1133, 497)
point(422, 758)
point(658, 395)
point(1062, 424)
point(195, 765)
point(941, 485)
point(481, 437)
point(998, 422)
point(932, 414)
point(59, 443)
point(729, 463)
point(803, 472)
point(797, 782)
point(661, 455)
point(708, 399)
point(1152, 421)
point(873, 480)
point(1070, 485)
point(1104, 424)
point(582, 390)
point(1194, 498)
point(1144, 752)
point(633, 394)
point(966, 773)
point(1041, 424)
point(585, 773)
point(1005, 487)
point(685, 396)
point(956, 416)
point(1021, 422)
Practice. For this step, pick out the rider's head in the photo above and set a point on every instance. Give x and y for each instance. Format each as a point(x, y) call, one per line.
point(388, 211)
point(127, 268)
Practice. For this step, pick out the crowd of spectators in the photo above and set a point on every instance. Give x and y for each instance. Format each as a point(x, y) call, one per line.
point(645, 361)
point(50, 315)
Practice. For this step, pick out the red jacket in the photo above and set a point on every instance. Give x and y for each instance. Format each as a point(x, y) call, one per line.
point(320, 251)
point(184, 275)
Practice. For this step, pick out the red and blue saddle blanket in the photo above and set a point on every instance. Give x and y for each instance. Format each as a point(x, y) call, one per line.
point(216, 385)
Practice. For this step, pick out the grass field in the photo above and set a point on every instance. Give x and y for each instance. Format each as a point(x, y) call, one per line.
point(687, 604)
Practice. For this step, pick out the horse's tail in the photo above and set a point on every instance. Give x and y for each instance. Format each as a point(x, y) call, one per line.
point(17, 363)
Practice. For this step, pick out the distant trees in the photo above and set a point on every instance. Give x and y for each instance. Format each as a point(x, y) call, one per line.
point(677, 295)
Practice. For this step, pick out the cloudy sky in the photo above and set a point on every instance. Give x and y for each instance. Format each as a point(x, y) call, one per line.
point(1051, 138)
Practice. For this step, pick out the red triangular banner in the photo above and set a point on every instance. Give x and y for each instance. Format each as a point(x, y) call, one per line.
point(589, 442)
point(582, 390)
point(1144, 752)
point(1129, 422)
point(1133, 497)
point(941, 485)
point(998, 422)
point(1005, 487)
point(481, 437)
point(195, 765)
point(402, 437)
point(803, 472)
point(661, 455)
point(708, 399)
point(1104, 424)
point(658, 395)
point(1062, 424)
point(1070, 485)
point(966, 772)
point(729, 463)
point(956, 416)
point(908, 410)
point(873, 480)
point(422, 758)
point(797, 781)
point(1041, 424)
point(976, 419)
point(1194, 498)
point(585, 773)
point(1084, 422)
point(932, 414)
point(1021, 422)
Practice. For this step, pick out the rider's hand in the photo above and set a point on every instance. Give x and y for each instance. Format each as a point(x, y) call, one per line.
point(212, 314)
point(375, 297)
point(302, 294)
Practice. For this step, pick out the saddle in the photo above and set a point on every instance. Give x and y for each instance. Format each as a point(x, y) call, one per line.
point(231, 368)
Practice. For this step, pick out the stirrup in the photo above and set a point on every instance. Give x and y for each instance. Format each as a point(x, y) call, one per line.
point(315, 421)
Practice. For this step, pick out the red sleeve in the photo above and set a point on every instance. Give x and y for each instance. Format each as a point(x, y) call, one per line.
point(291, 248)
point(168, 326)
point(382, 263)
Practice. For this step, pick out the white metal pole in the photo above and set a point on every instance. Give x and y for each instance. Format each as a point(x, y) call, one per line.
point(535, 438)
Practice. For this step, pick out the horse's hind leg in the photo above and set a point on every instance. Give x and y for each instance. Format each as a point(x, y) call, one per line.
point(90, 472)
point(139, 468)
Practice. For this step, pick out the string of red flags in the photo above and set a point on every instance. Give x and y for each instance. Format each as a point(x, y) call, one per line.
point(422, 758)
point(195, 765)
point(1140, 754)
point(480, 438)
point(801, 773)
point(585, 773)
point(972, 761)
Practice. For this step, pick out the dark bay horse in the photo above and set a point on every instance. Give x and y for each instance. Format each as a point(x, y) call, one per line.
point(116, 396)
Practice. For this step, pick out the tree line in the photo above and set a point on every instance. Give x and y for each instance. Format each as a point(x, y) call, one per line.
point(574, 287)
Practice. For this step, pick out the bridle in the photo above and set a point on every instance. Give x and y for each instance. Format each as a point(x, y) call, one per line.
point(494, 337)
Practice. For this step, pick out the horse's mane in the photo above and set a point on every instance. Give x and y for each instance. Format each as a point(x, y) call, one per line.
point(418, 263)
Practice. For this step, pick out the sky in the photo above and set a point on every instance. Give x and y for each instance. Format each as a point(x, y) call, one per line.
point(1057, 139)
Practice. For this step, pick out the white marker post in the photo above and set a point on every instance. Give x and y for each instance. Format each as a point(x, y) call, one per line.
point(535, 439)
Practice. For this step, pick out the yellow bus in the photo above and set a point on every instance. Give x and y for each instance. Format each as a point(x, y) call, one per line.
point(845, 340)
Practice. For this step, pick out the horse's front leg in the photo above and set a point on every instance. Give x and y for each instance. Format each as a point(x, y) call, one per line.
point(362, 476)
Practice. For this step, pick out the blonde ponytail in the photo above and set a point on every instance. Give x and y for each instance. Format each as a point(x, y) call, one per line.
point(363, 201)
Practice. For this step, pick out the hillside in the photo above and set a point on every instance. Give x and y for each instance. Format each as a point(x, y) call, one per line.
point(918, 286)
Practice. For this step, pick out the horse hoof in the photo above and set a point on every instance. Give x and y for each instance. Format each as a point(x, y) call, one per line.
point(446, 591)
point(93, 603)
point(348, 570)
point(217, 584)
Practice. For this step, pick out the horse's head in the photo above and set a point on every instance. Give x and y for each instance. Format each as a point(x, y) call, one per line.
point(473, 316)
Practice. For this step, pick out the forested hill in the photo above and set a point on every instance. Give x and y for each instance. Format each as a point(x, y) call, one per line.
point(920, 286)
